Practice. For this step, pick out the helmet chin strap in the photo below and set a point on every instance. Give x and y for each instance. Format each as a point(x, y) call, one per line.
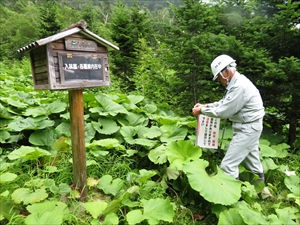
point(225, 78)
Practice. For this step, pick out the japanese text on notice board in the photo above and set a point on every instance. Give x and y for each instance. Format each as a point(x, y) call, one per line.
point(207, 132)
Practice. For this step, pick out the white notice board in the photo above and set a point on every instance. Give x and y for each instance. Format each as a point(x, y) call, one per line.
point(207, 133)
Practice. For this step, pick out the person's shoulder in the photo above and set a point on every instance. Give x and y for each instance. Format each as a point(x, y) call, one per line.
point(242, 79)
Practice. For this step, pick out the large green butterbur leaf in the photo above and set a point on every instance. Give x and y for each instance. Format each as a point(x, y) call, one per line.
point(153, 132)
point(173, 133)
point(7, 177)
point(4, 135)
point(288, 215)
point(110, 186)
point(230, 217)
point(43, 137)
point(267, 151)
point(109, 106)
point(154, 210)
point(182, 152)
point(89, 132)
point(27, 152)
point(30, 123)
point(135, 135)
point(95, 208)
point(293, 184)
point(47, 109)
point(105, 126)
point(46, 213)
point(134, 119)
point(219, 189)
point(158, 155)
point(104, 144)
point(251, 216)
point(130, 101)
point(4, 113)
point(27, 196)
point(268, 164)
point(281, 150)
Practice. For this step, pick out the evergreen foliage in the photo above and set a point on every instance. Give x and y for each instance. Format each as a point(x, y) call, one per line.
point(165, 53)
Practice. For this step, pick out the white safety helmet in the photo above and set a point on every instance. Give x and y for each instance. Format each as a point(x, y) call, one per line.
point(220, 63)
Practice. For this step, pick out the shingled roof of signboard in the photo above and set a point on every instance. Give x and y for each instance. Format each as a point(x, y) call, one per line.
point(79, 27)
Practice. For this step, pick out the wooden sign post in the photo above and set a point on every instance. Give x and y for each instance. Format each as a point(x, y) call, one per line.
point(73, 59)
point(78, 141)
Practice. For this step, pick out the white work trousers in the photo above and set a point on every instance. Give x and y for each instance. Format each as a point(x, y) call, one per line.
point(243, 148)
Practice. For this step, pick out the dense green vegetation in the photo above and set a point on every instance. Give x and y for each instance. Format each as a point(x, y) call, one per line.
point(142, 165)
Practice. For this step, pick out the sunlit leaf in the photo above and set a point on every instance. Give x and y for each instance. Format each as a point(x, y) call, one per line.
point(293, 184)
point(172, 174)
point(248, 192)
point(108, 143)
point(111, 219)
point(281, 150)
point(158, 155)
point(154, 211)
point(150, 108)
point(110, 186)
point(249, 215)
point(95, 208)
point(89, 132)
point(7, 177)
point(135, 135)
point(30, 123)
point(167, 120)
point(173, 134)
point(219, 189)
point(47, 213)
point(153, 132)
point(144, 175)
point(4, 113)
point(294, 197)
point(4, 135)
point(268, 164)
point(135, 216)
point(230, 217)
point(135, 99)
point(16, 103)
point(27, 196)
point(54, 107)
point(109, 106)
point(267, 151)
point(287, 215)
point(181, 152)
point(28, 152)
point(105, 126)
point(134, 119)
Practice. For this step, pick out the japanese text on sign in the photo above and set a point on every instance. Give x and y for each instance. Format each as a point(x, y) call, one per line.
point(207, 132)
point(74, 66)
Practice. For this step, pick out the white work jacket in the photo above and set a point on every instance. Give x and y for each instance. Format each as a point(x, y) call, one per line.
point(242, 102)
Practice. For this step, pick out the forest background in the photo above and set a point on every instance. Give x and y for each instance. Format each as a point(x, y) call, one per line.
point(166, 48)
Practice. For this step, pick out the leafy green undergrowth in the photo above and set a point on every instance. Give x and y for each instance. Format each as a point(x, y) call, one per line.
point(142, 165)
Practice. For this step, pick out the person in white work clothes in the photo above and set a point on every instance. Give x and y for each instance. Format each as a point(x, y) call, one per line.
point(242, 104)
